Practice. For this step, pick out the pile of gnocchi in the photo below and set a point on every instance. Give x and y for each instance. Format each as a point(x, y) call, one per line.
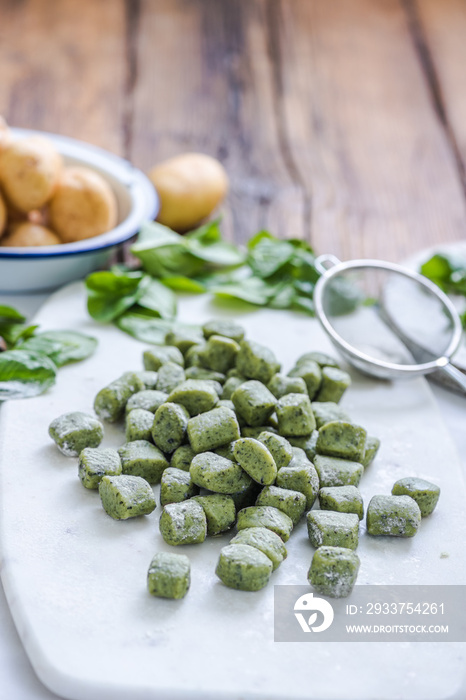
point(45, 202)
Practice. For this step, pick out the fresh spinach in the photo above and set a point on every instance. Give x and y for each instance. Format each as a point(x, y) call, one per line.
point(24, 373)
point(29, 364)
point(62, 347)
point(449, 273)
point(273, 272)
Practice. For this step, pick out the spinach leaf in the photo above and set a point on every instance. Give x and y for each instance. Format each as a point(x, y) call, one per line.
point(303, 303)
point(206, 244)
point(143, 327)
point(158, 299)
point(180, 283)
point(447, 271)
point(24, 373)
point(253, 290)
point(149, 329)
point(267, 255)
point(9, 314)
point(61, 347)
point(111, 292)
point(164, 253)
point(14, 333)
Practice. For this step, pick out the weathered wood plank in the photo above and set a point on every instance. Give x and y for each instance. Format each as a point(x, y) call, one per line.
point(205, 83)
point(63, 68)
point(442, 27)
point(361, 128)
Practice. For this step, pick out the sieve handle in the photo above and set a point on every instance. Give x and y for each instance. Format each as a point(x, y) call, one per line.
point(450, 377)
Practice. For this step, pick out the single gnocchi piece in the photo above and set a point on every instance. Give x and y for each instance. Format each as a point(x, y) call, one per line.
point(341, 439)
point(266, 516)
point(423, 492)
point(328, 411)
point(254, 402)
point(169, 575)
point(148, 378)
point(126, 496)
point(255, 361)
point(243, 567)
point(278, 446)
point(195, 395)
point(204, 374)
point(96, 463)
point(331, 529)
point(110, 402)
point(334, 471)
point(334, 384)
point(230, 386)
point(219, 353)
point(256, 460)
point(227, 329)
point(142, 458)
point(219, 510)
point(247, 431)
point(303, 478)
point(148, 399)
point(295, 416)
point(183, 523)
point(212, 429)
point(293, 503)
point(322, 359)
point(343, 499)
point(176, 485)
point(72, 432)
point(312, 375)
point(139, 425)
point(169, 376)
point(280, 385)
point(219, 474)
point(396, 516)
point(169, 426)
point(307, 443)
point(182, 457)
point(155, 357)
point(334, 571)
point(370, 450)
point(268, 542)
point(183, 340)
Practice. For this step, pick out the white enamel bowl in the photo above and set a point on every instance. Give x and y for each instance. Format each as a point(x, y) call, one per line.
point(48, 267)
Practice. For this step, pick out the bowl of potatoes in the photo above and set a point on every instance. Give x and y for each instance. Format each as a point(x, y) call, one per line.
point(65, 206)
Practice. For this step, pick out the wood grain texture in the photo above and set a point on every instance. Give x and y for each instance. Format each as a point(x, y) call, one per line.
point(204, 83)
point(363, 130)
point(64, 68)
point(443, 27)
point(342, 122)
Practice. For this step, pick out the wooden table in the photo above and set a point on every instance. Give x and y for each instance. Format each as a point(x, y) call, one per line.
point(339, 121)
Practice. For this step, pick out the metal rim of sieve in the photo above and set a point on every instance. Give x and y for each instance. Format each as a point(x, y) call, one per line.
point(330, 266)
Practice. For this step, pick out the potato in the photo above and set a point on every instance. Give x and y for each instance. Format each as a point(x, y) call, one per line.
point(3, 215)
point(5, 136)
point(83, 206)
point(29, 172)
point(28, 234)
point(190, 186)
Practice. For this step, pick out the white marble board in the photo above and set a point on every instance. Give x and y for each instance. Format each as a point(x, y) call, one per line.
point(75, 579)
